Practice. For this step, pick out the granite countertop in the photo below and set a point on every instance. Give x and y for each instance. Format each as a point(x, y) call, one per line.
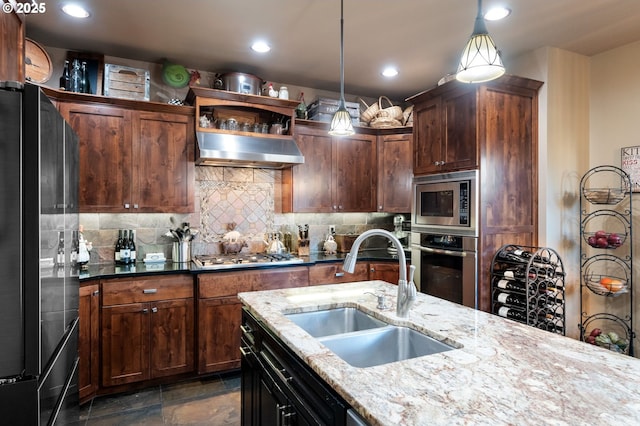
point(505, 372)
point(111, 270)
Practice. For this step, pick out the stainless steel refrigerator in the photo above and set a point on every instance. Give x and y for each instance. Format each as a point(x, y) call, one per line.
point(39, 290)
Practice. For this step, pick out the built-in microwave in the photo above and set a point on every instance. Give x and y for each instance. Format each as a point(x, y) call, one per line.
point(446, 203)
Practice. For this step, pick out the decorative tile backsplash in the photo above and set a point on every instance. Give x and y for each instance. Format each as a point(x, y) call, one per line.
point(224, 195)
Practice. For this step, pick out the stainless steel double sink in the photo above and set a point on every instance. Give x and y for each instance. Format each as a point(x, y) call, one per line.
point(364, 341)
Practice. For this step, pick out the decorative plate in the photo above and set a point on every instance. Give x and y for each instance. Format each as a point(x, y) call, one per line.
point(37, 63)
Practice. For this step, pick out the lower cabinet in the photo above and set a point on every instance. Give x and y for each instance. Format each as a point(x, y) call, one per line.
point(220, 311)
point(89, 341)
point(278, 388)
point(386, 271)
point(147, 328)
point(332, 273)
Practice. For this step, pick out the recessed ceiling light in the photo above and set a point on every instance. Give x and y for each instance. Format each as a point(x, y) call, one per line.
point(260, 47)
point(390, 72)
point(497, 13)
point(75, 10)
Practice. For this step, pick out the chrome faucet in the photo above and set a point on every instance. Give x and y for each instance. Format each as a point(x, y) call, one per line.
point(406, 289)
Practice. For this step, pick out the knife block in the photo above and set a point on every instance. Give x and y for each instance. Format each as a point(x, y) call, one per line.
point(303, 247)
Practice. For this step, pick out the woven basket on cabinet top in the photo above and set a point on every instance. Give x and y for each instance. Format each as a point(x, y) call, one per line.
point(391, 111)
point(370, 111)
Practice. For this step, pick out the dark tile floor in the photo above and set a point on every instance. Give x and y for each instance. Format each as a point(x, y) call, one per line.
point(214, 400)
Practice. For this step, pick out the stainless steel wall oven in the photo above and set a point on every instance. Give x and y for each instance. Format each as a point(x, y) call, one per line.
point(444, 236)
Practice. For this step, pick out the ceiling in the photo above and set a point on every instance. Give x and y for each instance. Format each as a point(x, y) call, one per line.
point(423, 38)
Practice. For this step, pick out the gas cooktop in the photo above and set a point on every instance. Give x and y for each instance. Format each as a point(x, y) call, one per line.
point(243, 260)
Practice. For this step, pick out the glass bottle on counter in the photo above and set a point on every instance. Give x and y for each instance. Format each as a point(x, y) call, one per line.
point(125, 252)
point(132, 246)
point(60, 250)
point(116, 253)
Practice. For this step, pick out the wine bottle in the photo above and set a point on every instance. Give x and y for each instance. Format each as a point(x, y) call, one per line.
point(519, 273)
point(513, 285)
point(86, 85)
point(60, 251)
point(64, 78)
point(512, 299)
point(521, 256)
point(116, 253)
point(511, 313)
point(132, 246)
point(75, 77)
point(125, 253)
point(74, 248)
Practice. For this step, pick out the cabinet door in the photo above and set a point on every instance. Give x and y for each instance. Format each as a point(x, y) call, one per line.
point(310, 189)
point(427, 130)
point(125, 344)
point(395, 173)
point(386, 271)
point(88, 341)
point(355, 173)
point(332, 273)
point(172, 347)
point(219, 321)
point(164, 164)
point(12, 27)
point(104, 135)
point(460, 147)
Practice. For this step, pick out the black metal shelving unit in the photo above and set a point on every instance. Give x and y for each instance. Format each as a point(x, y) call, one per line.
point(606, 259)
point(528, 286)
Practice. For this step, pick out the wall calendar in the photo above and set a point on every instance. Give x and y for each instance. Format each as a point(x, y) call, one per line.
point(630, 162)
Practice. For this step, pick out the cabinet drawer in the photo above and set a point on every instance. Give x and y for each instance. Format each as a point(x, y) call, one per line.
point(146, 289)
point(220, 284)
point(332, 273)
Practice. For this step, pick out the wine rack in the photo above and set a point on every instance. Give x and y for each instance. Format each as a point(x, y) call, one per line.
point(527, 285)
point(606, 259)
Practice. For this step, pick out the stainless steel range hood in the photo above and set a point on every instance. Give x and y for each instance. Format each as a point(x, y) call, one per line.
point(217, 149)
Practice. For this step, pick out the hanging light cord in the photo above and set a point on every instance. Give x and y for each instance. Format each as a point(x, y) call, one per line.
point(342, 52)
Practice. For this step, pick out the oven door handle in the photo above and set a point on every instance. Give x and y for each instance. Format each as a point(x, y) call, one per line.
point(443, 252)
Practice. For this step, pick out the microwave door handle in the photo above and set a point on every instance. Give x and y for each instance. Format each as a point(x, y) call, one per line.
point(444, 252)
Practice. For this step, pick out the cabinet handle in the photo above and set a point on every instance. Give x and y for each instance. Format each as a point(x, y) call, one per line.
point(372, 269)
point(340, 207)
point(145, 311)
point(379, 207)
point(150, 290)
point(335, 207)
point(246, 329)
point(154, 309)
point(245, 351)
point(126, 205)
point(283, 416)
point(135, 206)
point(339, 274)
point(95, 293)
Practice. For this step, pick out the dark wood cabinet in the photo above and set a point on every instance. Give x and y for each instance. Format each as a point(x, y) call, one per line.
point(491, 127)
point(332, 273)
point(132, 159)
point(220, 311)
point(12, 28)
point(445, 132)
point(147, 328)
point(338, 175)
point(386, 271)
point(395, 173)
point(89, 341)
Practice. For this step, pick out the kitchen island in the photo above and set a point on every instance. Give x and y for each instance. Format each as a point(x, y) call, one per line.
point(502, 372)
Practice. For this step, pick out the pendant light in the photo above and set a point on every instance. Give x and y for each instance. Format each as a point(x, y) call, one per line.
point(341, 122)
point(480, 59)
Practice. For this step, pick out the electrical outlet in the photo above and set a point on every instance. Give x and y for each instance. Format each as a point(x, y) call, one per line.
point(332, 229)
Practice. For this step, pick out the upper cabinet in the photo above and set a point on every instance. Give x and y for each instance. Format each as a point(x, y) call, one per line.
point(394, 172)
point(338, 174)
point(12, 28)
point(134, 156)
point(445, 131)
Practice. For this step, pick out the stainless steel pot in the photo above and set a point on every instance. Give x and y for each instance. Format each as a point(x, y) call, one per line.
point(239, 82)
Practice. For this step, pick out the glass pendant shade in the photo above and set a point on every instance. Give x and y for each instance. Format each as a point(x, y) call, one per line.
point(341, 124)
point(480, 59)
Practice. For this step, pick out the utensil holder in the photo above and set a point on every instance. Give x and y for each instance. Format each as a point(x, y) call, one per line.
point(181, 252)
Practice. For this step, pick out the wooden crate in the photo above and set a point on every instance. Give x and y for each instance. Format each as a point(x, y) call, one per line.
point(126, 82)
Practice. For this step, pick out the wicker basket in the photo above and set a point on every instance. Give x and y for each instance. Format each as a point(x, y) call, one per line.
point(369, 113)
point(384, 123)
point(391, 111)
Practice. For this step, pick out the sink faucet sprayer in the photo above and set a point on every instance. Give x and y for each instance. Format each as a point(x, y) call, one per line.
point(406, 289)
